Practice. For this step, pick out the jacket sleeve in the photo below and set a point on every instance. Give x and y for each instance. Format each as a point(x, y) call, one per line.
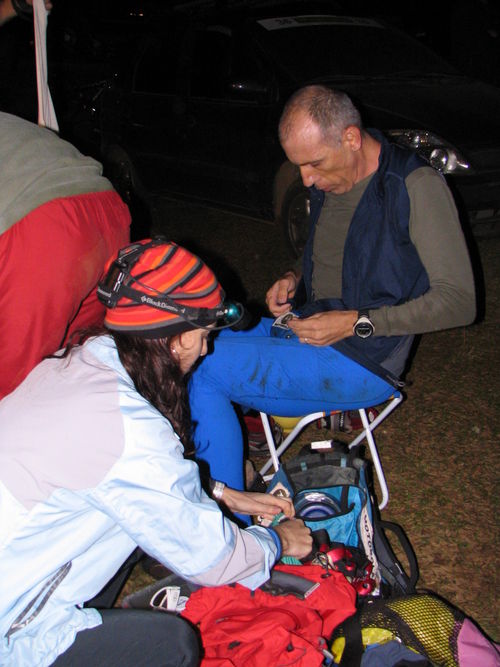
point(155, 496)
point(437, 235)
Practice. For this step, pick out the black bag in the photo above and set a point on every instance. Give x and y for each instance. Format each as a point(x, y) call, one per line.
point(332, 493)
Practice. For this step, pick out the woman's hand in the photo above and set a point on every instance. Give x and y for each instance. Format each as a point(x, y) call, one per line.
point(261, 504)
point(296, 538)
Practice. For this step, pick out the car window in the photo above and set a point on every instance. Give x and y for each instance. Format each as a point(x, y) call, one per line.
point(211, 62)
point(156, 69)
point(315, 47)
point(225, 65)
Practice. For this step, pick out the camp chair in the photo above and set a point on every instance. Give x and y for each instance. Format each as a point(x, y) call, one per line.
point(366, 433)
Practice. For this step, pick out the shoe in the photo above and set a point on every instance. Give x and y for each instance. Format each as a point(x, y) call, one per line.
point(257, 443)
point(339, 421)
point(345, 422)
point(356, 423)
point(169, 594)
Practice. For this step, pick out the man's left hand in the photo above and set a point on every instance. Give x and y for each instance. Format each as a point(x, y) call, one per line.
point(324, 328)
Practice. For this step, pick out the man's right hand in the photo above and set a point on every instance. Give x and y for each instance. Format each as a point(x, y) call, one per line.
point(296, 539)
point(279, 295)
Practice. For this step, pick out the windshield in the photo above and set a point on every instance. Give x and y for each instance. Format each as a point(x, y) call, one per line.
point(319, 47)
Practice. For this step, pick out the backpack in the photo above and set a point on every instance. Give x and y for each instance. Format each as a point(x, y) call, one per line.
point(424, 623)
point(332, 493)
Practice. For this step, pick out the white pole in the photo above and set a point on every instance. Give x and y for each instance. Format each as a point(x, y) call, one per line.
point(46, 112)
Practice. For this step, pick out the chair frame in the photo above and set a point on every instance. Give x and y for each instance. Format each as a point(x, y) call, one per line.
point(366, 434)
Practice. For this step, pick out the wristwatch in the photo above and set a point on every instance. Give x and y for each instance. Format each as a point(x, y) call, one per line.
point(363, 327)
point(216, 489)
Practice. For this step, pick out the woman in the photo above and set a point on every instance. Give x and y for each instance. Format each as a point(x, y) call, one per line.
point(92, 465)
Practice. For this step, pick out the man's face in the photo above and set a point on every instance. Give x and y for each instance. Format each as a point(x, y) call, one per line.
point(328, 167)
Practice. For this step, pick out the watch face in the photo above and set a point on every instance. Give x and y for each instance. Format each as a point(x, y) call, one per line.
point(363, 328)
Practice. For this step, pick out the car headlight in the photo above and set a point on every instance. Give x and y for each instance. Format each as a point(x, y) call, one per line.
point(439, 153)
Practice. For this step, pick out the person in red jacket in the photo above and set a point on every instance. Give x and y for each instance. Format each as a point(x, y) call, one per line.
point(60, 222)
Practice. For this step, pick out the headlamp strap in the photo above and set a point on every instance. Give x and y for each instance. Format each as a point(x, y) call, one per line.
point(165, 303)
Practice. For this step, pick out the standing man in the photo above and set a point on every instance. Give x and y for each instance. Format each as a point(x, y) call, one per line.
point(60, 221)
point(386, 259)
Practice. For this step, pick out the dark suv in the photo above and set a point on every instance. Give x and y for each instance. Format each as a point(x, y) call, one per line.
point(194, 107)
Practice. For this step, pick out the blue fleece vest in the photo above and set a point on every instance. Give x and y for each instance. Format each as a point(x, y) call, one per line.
point(381, 265)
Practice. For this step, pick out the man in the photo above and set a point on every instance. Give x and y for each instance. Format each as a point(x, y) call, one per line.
point(385, 260)
point(60, 220)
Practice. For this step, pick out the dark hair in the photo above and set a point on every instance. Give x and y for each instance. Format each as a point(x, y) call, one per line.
point(155, 373)
point(157, 376)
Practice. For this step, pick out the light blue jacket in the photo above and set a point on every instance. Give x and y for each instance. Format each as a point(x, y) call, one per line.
point(88, 471)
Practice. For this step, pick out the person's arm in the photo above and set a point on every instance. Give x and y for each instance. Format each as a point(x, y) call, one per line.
point(437, 235)
point(155, 496)
point(324, 328)
point(254, 504)
point(279, 294)
point(450, 300)
point(292, 537)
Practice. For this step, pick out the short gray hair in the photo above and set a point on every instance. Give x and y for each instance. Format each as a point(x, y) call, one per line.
point(331, 110)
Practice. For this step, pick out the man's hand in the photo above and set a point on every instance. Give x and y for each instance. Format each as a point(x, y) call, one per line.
point(261, 504)
point(296, 539)
point(278, 296)
point(324, 328)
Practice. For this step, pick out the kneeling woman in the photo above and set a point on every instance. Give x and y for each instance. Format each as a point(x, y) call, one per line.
point(92, 466)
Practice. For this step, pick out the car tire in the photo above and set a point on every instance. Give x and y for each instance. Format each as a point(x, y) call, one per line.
point(294, 216)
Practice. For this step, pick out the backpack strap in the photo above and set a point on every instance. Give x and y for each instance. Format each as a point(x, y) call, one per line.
point(400, 582)
point(353, 650)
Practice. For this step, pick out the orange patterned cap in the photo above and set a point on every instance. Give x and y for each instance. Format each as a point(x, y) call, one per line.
point(156, 288)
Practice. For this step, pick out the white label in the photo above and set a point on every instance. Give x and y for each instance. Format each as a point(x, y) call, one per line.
point(321, 444)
